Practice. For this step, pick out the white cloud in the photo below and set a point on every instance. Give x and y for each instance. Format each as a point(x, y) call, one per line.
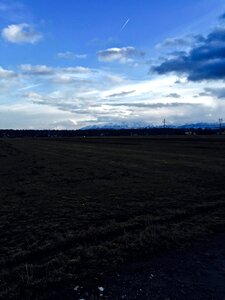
point(7, 73)
point(28, 87)
point(71, 55)
point(37, 98)
point(177, 42)
point(21, 33)
point(36, 70)
point(122, 55)
point(78, 69)
point(14, 12)
point(32, 116)
point(45, 70)
point(115, 78)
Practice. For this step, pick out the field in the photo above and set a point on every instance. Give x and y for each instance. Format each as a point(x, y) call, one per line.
point(73, 210)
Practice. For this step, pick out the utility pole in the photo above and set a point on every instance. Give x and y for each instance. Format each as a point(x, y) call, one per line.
point(220, 124)
point(164, 123)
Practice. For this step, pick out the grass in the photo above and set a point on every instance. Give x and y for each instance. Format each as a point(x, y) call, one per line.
point(75, 209)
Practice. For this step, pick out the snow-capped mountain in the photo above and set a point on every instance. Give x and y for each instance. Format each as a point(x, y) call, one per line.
point(139, 125)
point(117, 126)
point(202, 125)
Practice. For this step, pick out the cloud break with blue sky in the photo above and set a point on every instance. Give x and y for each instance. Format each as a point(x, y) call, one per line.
point(69, 64)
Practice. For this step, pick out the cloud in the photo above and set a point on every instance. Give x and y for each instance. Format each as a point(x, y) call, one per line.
point(29, 87)
point(205, 61)
point(61, 102)
point(77, 79)
point(216, 92)
point(70, 79)
point(122, 55)
point(36, 70)
point(45, 70)
point(173, 95)
point(71, 55)
point(203, 94)
point(14, 11)
point(98, 95)
point(64, 124)
point(179, 42)
point(154, 105)
point(33, 116)
point(114, 78)
point(7, 73)
point(122, 94)
point(78, 70)
point(36, 97)
point(21, 34)
point(98, 99)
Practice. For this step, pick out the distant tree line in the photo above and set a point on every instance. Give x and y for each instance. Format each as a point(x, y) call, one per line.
point(10, 133)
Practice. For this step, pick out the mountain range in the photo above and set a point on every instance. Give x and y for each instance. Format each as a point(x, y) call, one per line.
point(139, 125)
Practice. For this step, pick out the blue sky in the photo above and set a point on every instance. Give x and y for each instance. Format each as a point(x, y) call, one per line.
point(69, 64)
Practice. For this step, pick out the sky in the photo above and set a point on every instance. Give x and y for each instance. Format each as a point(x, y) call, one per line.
point(71, 64)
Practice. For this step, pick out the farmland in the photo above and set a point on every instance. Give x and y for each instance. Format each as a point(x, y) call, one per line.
point(75, 209)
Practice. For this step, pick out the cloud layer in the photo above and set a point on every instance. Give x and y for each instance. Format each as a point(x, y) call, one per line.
point(73, 97)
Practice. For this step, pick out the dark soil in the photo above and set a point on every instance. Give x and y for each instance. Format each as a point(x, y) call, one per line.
point(74, 211)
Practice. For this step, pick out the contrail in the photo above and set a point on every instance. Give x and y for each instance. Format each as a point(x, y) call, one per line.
point(30, 87)
point(125, 24)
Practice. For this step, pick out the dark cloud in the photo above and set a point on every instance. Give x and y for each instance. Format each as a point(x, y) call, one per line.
point(152, 105)
point(216, 92)
point(122, 94)
point(203, 94)
point(177, 53)
point(198, 38)
point(205, 61)
point(173, 95)
point(178, 81)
